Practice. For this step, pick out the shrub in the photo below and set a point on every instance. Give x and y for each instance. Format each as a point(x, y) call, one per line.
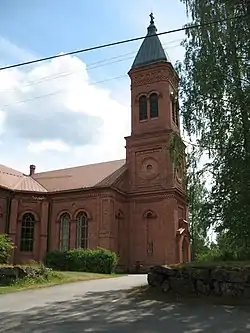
point(56, 260)
point(89, 260)
point(6, 247)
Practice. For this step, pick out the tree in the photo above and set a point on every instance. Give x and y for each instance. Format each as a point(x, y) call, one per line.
point(198, 207)
point(6, 247)
point(215, 91)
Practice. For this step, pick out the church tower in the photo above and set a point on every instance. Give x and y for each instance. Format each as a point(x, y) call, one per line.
point(157, 196)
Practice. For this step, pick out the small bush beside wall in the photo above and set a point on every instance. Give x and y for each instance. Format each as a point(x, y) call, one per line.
point(6, 247)
point(81, 260)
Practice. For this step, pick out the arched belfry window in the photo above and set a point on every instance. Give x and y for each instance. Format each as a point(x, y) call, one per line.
point(27, 232)
point(153, 101)
point(82, 230)
point(64, 232)
point(143, 113)
point(175, 108)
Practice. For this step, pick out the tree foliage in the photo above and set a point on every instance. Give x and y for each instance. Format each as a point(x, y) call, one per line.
point(215, 91)
point(6, 247)
point(198, 207)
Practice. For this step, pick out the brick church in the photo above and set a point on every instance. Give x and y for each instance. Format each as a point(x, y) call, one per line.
point(136, 207)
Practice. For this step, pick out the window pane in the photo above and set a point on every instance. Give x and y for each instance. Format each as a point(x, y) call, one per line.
point(64, 232)
point(173, 110)
point(143, 115)
point(27, 232)
point(82, 231)
point(153, 105)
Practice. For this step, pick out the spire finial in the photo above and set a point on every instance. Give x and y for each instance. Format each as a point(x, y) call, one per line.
point(152, 18)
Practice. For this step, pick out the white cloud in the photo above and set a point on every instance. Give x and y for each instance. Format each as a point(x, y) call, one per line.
point(53, 107)
point(48, 145)
point(11, 53)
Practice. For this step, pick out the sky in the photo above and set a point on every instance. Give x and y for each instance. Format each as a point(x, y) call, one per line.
point(73, 110)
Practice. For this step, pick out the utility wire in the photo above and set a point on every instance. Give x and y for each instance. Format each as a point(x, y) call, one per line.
point(61, 90)
point(58, 92)
point(89, 67)
point(186, 28)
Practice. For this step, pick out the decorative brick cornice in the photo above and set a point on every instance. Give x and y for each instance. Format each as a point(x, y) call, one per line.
point(83, 195)
point(154, 76)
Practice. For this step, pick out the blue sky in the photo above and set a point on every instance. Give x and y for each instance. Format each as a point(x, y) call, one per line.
point(52, 110)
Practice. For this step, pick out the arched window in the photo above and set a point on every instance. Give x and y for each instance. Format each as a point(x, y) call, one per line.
point(64, 232)
point(27, 232)
point(177, 112)
point(175, 108)
point(143, 113)
point(153, 101)
point(82, 230)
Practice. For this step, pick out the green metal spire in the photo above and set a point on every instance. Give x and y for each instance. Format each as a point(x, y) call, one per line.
point(151, 50)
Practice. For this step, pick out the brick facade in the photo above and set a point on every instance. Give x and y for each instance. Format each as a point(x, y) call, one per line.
point(142, 216)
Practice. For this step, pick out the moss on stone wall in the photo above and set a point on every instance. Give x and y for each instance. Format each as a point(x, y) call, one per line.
point(221, 279)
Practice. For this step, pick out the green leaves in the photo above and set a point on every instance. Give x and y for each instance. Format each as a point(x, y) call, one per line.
point(6, 247)
point(215, 92)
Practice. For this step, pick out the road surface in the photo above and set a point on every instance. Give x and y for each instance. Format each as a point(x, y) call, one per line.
point(104, 306)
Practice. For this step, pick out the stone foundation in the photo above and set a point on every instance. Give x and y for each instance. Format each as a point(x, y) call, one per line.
point(208, 281)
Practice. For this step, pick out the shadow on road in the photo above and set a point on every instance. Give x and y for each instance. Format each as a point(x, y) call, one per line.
point(122, 312)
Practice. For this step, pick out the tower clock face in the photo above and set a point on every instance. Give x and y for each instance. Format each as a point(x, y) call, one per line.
point(149, 168)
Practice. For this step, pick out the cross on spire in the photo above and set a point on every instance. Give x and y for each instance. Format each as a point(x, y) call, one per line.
point(152, 18)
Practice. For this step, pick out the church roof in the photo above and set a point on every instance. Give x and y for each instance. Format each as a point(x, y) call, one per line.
point(16, 180)
point(85, 176)
point(151, 50)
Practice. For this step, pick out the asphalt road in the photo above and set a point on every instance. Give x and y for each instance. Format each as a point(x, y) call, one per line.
point(108, 306)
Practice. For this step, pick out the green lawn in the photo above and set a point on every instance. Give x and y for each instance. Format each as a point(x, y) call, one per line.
point(55, 278)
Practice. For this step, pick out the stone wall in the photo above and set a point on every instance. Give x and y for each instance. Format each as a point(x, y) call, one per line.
point(209, 281)
point(10, 274)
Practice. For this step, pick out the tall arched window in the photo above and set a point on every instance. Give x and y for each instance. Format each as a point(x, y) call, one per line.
point(82, 230)
point(175, 108)
point(153, 101)
point(64, 232)
point(177, 112)
point(143, 113)
point(27, 232)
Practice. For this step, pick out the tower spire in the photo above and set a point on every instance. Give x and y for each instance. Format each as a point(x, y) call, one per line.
point(151, 50)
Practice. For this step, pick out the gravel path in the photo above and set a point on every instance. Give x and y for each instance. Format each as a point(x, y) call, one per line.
point(104, 306)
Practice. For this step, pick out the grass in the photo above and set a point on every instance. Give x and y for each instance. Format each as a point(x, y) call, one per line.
point(55, 278)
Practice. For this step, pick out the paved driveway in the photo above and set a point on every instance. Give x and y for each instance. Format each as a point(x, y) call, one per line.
point(104, 306)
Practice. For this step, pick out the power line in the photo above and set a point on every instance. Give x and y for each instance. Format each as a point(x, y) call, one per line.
point(58, 92)
point(89, 67)
point(186, 28)
point(62, 90)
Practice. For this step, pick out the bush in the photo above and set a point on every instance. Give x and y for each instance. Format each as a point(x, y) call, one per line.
point(6, 247)
point(94, 261)
point(56, 260)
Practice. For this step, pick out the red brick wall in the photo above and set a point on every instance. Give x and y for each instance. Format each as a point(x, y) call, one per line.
point(3, 210)
point(118, 221)
point(102, 208)
point(153, 185)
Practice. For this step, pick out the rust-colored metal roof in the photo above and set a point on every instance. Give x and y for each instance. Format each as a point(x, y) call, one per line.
point(85, 176)
point(15, 180)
